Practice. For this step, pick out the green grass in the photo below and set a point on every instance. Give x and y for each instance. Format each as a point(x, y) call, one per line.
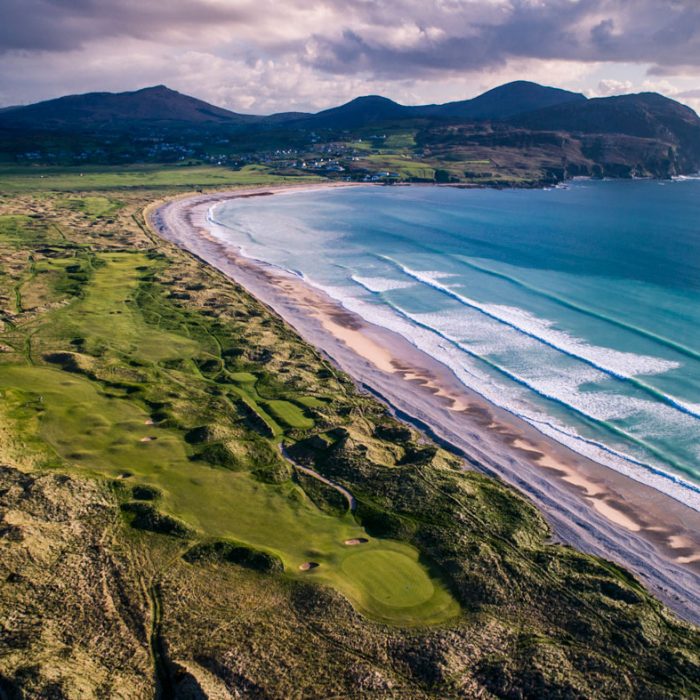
point(402, 140)
point(364, 145)
point(13, 224)
point(243, 377)
point(311, 402)
point(97, 429)
point(107, 318)
point(155, 335)
point(92, 206)
point(403, 165)
point(101, 435)
point(14, 227)
point(389, 578)
point(93, 177)
point(290, 414)
point(275, 411)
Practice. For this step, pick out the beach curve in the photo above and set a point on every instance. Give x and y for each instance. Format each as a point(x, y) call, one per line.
point(588, 505)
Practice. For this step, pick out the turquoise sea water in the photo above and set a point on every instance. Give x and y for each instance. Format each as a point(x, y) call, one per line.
point(578, 309)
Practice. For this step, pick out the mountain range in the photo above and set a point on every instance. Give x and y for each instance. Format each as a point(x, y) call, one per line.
point(160, 104)
point(626, 135)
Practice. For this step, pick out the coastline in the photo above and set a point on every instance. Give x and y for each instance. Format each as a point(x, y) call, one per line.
point(588, 505)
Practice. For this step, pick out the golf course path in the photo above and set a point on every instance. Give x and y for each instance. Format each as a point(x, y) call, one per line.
point(340, 489)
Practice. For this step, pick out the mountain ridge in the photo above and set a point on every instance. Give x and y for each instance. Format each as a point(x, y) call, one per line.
point(506, 100)
point(100, 109)
point(160, 103)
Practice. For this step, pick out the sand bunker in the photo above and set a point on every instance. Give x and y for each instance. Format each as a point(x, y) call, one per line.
point(148, 439)
point(355, 541)
point(308, 565)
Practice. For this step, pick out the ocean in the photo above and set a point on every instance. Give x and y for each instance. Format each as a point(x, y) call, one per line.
point(575, 308)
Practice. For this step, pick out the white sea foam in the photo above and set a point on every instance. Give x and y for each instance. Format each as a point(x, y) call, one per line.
point(538, 367)
point(541, 369)
point(623, 364)
point(560, 378)
point(517, 399)
point(381, 284)
point(613, 362)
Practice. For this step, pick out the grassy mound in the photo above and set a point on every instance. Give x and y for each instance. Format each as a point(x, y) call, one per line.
point(145, 493)
point(234, 553)
point(144, 516)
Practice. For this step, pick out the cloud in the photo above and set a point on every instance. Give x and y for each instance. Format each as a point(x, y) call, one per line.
point(473, 35)
point(612, 87)
point(263, 55)
point(65, 25)
point(345, 36)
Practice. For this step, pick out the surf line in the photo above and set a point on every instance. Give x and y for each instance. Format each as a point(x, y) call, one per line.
point(618, 432)
point(581, 308)
point(470, 303)
point(574, 306)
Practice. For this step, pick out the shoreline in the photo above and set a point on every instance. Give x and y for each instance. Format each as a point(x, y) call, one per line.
point(588, 505)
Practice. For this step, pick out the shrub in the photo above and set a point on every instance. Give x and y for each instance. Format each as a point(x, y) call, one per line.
point(146, 517)
point(234, 553)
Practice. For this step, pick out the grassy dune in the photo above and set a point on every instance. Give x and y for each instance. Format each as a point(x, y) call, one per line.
point(96, 177)
point(101, 436)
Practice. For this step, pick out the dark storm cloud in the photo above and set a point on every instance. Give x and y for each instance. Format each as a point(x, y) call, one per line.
point(395, 39)
point(663, 33)
point(63, 25)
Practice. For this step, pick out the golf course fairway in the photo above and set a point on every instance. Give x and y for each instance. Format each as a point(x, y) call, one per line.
point(97, 428)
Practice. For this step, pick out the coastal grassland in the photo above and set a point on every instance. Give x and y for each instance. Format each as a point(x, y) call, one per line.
point(93, 206)
point(290, 414)
point(406, 166)
point(89, 178)
point(400, 140)
point(446, 156)
point(471, 155)
point(154, 529)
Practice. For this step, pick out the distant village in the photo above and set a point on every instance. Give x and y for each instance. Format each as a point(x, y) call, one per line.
point(337, 158)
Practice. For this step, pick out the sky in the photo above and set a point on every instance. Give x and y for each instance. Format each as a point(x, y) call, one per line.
point(264, 56)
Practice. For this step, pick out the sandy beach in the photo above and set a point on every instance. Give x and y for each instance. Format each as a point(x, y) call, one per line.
point(588, 505)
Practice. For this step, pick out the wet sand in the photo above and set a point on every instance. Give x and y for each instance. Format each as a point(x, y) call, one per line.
point(588, 505)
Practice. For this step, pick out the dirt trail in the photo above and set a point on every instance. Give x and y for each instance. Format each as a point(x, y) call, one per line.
point(340, 489)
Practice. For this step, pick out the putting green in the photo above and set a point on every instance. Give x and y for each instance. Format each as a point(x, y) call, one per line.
point(393, 584)
point(389, 577)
